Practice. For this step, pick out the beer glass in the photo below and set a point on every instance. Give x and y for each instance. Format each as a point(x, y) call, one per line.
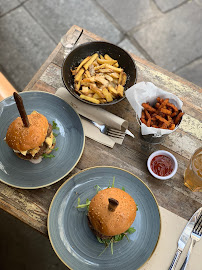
point(193, 173)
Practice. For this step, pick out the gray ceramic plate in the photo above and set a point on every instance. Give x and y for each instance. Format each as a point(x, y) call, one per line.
point(73, 241)
point(70, 142)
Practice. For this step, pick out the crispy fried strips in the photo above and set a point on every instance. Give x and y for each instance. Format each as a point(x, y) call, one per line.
point(99, 79)
point(163, 114)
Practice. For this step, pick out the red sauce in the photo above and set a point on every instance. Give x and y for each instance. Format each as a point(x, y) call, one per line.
point(162, 165)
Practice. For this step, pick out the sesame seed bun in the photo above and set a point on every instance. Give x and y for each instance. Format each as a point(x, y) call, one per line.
point(109, 223)
point(22, 138)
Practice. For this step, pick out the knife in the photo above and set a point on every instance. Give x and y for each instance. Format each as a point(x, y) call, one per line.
point(127, 132)
point(184, 238)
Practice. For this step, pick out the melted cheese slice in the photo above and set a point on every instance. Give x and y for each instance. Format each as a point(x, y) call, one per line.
point(34, 151)
point(22, 152)
point(48, 140)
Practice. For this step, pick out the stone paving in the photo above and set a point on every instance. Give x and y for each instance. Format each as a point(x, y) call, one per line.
point(168, 33)
point(173, 45)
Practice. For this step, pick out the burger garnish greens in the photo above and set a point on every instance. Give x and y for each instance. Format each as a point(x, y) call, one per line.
point(54, 126)
point(34, 141)
point(111, 213)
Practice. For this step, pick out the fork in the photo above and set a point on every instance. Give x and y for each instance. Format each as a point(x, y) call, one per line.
point(106, 130)
point(195, 237)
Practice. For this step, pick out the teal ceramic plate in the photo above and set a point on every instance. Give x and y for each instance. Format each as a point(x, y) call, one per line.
point(73, 241)
point(70, 142)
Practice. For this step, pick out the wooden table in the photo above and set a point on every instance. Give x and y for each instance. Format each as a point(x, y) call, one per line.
point(31, 206)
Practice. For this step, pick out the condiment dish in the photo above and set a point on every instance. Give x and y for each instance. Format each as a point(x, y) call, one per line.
point(157, 163)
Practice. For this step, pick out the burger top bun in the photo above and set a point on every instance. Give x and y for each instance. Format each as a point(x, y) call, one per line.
point(115, 221)
point(23, 138)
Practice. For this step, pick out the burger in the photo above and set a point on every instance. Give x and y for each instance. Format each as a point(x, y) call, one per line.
point(111, 213)
point(32, 142)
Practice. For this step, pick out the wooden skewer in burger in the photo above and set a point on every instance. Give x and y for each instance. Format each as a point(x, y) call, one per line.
point(30, 136)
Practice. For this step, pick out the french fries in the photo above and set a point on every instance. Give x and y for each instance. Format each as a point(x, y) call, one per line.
point(107, 95)
point(163, 114)
point(91, 99)
point(99, 79)
point(120, 90)
point(82, 63)
point(90, 61)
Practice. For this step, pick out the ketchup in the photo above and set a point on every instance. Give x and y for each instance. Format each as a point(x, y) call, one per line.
point(162, 165)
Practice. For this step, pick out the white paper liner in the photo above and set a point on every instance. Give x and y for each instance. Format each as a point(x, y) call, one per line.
point(147, 92)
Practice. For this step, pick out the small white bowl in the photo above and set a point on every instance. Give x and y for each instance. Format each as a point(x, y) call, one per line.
point(165, 153)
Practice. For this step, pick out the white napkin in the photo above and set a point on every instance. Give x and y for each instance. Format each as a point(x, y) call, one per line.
point(147, 92)
point(171, 229)
point(98, 115)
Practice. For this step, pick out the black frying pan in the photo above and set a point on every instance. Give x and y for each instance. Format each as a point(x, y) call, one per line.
point(81, 52)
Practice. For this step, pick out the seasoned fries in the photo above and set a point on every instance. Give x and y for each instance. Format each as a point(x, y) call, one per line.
point(99, 79)
point(90, 61)
point(82, 63)
point(91, 99)
point(120, 90)
point(163, 114)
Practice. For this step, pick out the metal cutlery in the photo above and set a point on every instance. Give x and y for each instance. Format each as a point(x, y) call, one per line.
point(109, 131)
point(128, 132)
point(184, 238)
point(195, 237)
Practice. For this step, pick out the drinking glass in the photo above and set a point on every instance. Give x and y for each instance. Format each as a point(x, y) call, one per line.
point(66, 45)
point(193, 173)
